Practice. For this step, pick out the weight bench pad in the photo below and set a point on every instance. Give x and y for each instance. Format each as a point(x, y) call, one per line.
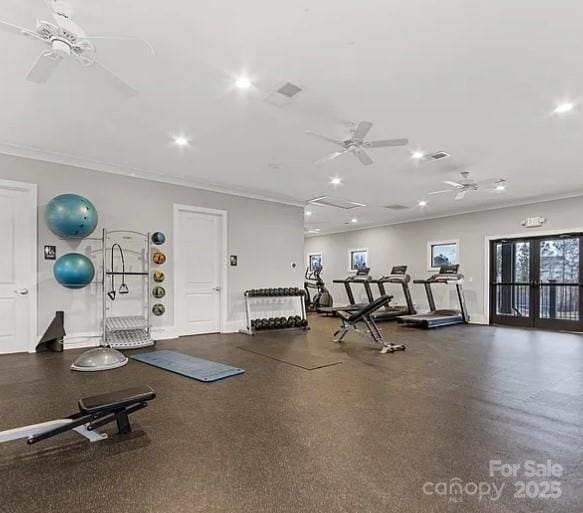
point(368, 309)
point(116, 400)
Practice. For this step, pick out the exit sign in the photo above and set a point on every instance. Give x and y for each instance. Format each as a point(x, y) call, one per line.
point(533, 222)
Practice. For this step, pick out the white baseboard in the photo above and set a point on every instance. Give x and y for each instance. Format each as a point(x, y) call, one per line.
point(164, 333)
point(82, 340)
point(93, 339)
point(234, 326)
point(478, 319)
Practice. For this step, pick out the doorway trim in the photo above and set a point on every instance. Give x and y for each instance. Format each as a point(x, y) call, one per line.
point(223, 215)
point(525, 234)
point(31, 191)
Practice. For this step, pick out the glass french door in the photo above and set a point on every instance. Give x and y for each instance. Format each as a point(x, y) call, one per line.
point(537, 282)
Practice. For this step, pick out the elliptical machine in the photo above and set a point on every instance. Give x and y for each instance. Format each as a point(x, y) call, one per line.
point(322, 297)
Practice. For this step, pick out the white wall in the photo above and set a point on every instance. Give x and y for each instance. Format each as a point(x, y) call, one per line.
point(406, 244)
point(266, 236)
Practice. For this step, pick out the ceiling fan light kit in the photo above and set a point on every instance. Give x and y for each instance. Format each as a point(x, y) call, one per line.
point(65, 39)
point(466, 184)
point(356, 144)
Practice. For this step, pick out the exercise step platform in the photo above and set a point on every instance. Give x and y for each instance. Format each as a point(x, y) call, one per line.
point(94, 412)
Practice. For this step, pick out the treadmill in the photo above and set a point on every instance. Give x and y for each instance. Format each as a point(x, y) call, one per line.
point(448, 274)
point(361, 276)
point(390, 312)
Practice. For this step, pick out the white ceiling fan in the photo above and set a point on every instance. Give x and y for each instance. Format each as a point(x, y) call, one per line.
point(65, 39)
point(356, 144)
point(466, 184)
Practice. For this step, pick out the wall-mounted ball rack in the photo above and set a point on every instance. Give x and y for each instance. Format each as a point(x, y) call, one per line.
point(126, 315)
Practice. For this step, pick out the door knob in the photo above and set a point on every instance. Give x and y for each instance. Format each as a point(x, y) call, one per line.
point(21, 292)
point(218, 289)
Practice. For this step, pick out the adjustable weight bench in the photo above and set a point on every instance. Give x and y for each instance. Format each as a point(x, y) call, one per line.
point(362, 322)
point(94, 412)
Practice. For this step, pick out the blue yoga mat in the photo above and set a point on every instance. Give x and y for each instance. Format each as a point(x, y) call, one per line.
point(189, 366)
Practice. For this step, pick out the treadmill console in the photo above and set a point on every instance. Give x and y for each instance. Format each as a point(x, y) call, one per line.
point(363, 271)
point(449, 269)
point(399, 269)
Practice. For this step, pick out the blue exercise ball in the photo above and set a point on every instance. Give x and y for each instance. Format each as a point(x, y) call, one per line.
point(74, 271)
point(71, 216)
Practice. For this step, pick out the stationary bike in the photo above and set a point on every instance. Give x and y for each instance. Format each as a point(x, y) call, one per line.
point(322, 297)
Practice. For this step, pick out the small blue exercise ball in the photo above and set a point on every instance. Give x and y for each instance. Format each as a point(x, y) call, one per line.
point(74, 271)
point(71, 216)
point(158, 238)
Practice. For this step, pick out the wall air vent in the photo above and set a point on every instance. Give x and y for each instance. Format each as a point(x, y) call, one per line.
point(438, 155)
point(327, 201)
point(397, 206)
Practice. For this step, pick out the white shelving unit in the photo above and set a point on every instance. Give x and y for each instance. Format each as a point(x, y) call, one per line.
point(126, 320)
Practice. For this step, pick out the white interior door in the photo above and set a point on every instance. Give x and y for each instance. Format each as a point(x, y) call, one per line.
point(198, 273)
point(18, 268)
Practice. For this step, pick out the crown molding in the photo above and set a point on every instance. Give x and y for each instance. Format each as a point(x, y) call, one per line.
point(65, 159)
point(442, 216)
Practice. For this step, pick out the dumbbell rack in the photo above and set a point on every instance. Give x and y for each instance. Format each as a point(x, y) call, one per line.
point(250, 295)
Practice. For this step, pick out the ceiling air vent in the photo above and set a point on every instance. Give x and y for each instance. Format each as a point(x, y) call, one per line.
point(397, 207)
point(327, 201)
point(284, 94)
point(438, 155)
point(290, 90)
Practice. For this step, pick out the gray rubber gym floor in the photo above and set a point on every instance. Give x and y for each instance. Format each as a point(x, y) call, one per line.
point(362, 436)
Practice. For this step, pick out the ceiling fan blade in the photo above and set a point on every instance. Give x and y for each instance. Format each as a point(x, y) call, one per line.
point(44, 67)
point(18, 30)
point(361, 130)
point(441, 192)
point(386, 142)
point(453, 184)
point(460, 195)
point(332, 156)
point(120, 85)
point(324, 138)
point(363, 156)
point(124, 38)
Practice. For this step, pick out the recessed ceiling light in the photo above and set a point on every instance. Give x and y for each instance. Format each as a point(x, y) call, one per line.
point(243, 82)
point(422, 203)
point(335, 180)
point(354, 220)
point(563, 108)
point(500, 187)
point(417, 155)
point(181, 141)
point(308, 213)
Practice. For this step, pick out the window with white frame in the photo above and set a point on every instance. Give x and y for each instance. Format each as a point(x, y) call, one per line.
point(442, 253)
point(358, 259)
point(314, 261)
